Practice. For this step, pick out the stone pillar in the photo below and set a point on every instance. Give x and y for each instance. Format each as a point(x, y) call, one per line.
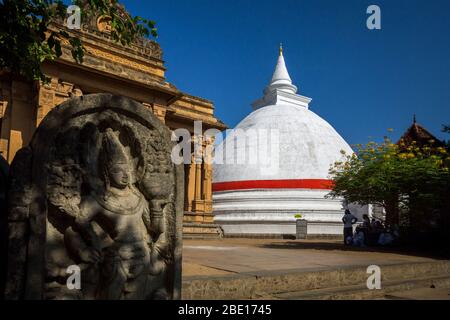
point(19, 119)
point(160, 112)
point(52, 94)
point(45, 99)
point(198, 181)
point(23, 105)
point(207, 169)
point(199, 203)
point(190, 194)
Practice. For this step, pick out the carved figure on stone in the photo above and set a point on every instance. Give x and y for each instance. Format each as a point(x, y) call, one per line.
point(4, 169)
point(111, 203)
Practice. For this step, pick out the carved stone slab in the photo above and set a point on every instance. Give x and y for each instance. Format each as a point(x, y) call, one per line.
point(96, 195)
point(4, 168)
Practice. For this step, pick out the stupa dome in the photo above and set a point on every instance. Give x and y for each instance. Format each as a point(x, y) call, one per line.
point(279, 168)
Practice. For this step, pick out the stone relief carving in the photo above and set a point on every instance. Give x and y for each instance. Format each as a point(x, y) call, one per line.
point(109, 200)
point(4, 168)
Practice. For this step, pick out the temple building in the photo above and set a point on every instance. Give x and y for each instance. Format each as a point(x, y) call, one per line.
point(420, 136)
point(250, 200)
point(137, 72)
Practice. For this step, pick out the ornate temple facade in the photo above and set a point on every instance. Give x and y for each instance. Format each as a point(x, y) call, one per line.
point(136, 72)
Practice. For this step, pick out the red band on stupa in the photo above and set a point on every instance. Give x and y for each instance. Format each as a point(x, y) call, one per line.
point(321, 184)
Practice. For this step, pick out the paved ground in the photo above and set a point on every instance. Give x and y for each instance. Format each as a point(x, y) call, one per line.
point(421, 294)
point(228, 256)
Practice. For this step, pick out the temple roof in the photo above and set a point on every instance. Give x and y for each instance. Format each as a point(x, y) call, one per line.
point(420, 135)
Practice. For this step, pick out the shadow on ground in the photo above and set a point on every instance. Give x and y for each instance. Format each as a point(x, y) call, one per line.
point(338, 246)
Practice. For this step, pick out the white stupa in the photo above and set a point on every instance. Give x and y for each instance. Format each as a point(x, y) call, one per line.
point(262, 197)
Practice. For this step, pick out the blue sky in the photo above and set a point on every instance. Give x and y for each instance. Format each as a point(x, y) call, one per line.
point(362, 82)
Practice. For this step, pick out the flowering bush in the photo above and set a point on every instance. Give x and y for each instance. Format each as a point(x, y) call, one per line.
point(403, 178)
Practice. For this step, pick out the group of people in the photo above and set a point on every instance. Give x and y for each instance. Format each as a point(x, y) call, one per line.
point(369, 233)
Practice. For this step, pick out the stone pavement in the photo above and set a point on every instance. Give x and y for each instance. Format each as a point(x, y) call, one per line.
point(235, 256)
point(421, 294)
point(306, 269)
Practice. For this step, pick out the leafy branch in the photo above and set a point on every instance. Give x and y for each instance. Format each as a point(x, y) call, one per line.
point(26, 39)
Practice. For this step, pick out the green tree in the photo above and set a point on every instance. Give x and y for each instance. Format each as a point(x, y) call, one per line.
point(26, 40)
point(395, 176)
point(446, 129)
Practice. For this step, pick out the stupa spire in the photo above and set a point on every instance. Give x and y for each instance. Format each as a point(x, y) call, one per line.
point(280, 89)
point(281, 79)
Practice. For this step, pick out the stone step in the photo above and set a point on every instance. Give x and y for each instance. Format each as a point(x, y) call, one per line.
point(201, 231)
point(270, 283)
point(360, 292)
point(200, 236)
point(191, 217)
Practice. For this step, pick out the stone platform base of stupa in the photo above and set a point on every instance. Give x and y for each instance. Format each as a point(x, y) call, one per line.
point(270, 213)
point(284, 229)
point(307, 269)
point(288, 236)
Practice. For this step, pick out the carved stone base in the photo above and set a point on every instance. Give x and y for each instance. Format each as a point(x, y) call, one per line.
point(194, 217)
point(201, 231)
point(198, 206)
point(202, 206)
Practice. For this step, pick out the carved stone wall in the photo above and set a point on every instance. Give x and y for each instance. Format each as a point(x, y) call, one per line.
point(96, 190)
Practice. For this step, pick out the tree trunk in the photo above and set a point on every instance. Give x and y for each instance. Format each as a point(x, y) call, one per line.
point(392, 211)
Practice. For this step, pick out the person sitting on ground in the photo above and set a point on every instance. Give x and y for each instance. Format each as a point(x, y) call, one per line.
point(386, 237)
point(379, 226)
point(349, 240)
point(359, 238)
point(367, 229)
point(373, 224)
point(366, 222)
